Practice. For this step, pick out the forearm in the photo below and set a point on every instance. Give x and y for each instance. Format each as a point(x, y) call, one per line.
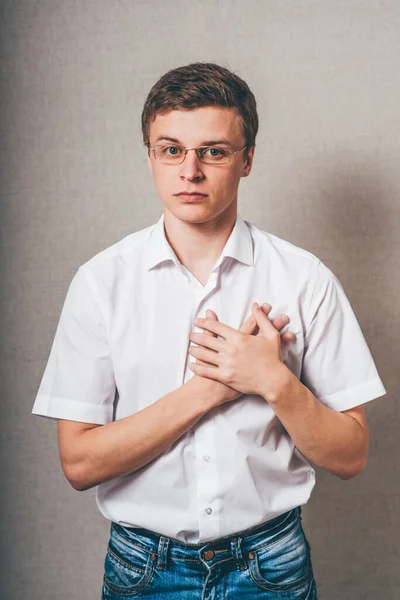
point(329, 439)
point(125, 445)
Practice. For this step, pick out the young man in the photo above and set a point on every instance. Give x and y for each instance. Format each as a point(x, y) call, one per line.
point(177, 396)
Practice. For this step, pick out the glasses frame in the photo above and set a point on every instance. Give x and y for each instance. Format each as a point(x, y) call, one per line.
point(186, 150)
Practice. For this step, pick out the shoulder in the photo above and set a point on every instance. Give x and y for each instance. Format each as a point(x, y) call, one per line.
point(267, 240)
point(109, 269)
point(111, 263)
point(122, 250)
point(282, 253)
point(298, 270)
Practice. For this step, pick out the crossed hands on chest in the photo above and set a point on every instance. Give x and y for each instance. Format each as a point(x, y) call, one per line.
point(244, 361)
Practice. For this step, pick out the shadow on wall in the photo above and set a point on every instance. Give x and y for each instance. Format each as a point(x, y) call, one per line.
point(352, 524)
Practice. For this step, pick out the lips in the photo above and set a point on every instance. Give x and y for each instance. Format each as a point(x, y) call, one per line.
point(191, 196)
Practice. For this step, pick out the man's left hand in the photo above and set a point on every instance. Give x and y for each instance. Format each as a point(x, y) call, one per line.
point(250, 364)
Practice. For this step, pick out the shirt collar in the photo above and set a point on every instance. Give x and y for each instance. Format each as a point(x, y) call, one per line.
point(238, 246)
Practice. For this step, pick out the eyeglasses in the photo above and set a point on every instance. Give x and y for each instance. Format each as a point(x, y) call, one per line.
point(210, 155)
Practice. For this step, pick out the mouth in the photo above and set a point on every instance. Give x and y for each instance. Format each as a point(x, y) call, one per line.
point(191, 196)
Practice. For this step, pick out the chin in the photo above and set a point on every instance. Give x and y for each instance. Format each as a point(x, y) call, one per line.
point(191, 213)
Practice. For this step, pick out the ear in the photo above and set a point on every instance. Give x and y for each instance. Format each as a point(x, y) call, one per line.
point(249, 162)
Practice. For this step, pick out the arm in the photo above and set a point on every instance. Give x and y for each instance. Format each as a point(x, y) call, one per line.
point(337, 441)
point(252, 364)
point(98, 453)
point(92, 454)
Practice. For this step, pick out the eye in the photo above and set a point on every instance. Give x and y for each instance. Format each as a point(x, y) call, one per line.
point(171, 150)
point(214, 152)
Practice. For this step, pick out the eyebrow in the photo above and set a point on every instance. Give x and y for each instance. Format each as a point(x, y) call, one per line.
point(206, 143)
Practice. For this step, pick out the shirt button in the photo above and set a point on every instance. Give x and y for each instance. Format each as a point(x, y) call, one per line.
point(206, 458)
point(209, 511)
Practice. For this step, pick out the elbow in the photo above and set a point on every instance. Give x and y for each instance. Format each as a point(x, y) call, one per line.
point(80, 484)
point(350, 471)
point(77, 485)
point(75, 478)
point(355, 466)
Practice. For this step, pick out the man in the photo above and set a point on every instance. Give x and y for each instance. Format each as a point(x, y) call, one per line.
point(177, 396)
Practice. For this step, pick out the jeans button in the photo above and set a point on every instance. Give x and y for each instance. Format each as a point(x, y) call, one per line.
point(208, 554)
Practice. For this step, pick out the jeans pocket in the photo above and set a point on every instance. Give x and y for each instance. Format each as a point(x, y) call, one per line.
point(283, 566)
point(128, 567)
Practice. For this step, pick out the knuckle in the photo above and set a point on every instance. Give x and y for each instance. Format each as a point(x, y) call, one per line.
point(228, 375)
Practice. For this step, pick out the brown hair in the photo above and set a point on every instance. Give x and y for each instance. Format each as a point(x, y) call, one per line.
point(198, 85)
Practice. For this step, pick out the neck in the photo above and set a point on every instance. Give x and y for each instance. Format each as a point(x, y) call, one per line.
point(199, 244)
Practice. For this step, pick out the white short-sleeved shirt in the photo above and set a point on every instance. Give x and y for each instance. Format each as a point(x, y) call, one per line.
point(122, 343)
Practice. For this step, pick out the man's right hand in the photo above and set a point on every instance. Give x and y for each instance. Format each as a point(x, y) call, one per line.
point(221, 392)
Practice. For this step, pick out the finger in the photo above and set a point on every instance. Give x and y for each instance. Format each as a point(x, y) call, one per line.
point(265, 325)
point(280, 321)
point(205, 355)
point(221, 329)
point(209, 372)
point(204, 363)
point(250, 324)
point(211, 315)
point(207, 341)
point(288, 337)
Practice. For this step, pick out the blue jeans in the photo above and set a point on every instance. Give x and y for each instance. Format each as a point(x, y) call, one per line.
point(265, 562)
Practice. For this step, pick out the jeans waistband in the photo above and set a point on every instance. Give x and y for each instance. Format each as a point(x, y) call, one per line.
point(242, 542)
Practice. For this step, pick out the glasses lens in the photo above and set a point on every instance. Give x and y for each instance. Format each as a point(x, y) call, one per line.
point(207, 154)
point(169, 154)
point(212, 155)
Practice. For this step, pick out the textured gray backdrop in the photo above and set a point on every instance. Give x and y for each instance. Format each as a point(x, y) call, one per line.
point(74, 77)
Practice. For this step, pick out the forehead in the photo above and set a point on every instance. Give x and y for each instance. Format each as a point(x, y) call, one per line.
point(193, 127)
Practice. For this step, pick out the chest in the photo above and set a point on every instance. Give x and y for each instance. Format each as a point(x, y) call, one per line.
point(151, 320)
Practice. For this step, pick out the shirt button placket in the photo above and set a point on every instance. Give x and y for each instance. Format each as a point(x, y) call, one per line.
point(205, 437)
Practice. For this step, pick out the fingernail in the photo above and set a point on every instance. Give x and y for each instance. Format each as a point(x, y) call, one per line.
point(285, 318)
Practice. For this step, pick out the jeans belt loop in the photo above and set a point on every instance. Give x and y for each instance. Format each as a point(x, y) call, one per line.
point(236, 545)
point(163, 545)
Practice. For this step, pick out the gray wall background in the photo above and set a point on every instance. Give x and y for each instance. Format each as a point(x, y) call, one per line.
point(74, 76)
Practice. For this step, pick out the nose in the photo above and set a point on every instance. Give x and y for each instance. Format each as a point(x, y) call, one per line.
point(191, 167)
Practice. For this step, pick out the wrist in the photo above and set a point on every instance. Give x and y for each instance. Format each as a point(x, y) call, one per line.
point(207, 392)
point(277, 384)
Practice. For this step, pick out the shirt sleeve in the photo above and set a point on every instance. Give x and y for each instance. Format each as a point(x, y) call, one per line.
point(78, 382)
point(337, 367)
